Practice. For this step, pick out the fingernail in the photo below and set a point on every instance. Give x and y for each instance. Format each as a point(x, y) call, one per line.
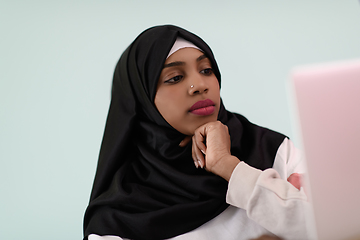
point(196, 164)
point(201, 164)
point(202, 151)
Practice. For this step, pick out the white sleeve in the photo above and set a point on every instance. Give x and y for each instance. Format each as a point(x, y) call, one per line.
point(107, 237)
point(268, 198)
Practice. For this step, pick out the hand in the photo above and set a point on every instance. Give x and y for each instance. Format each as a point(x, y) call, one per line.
point(214, 155)
point(296, 180)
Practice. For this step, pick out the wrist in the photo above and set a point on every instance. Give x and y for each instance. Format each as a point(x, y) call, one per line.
point(226, 166)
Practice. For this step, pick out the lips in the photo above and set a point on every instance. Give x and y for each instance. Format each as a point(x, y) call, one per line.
point(205, 107)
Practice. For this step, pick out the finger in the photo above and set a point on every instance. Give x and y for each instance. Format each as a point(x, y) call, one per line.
point(193, 154)
point(199, 138)
point(185, 141)
point(295, 180)
point(197, 155)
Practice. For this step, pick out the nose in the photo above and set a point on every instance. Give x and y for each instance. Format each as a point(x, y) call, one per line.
point(198, 86)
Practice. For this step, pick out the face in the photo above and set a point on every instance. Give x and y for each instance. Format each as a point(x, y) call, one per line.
point(188, 92)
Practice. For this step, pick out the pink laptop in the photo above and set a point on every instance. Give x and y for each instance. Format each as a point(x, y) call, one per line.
point(328, 104)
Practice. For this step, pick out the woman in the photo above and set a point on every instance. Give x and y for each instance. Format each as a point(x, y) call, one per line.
point(152, 182)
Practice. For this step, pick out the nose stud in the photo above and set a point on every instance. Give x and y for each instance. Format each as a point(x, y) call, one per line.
point(191, 86)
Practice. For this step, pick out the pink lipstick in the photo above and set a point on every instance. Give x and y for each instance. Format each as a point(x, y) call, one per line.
point(204, 108)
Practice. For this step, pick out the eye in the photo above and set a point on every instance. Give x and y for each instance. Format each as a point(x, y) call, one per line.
point(175, 79)
point(207, 71)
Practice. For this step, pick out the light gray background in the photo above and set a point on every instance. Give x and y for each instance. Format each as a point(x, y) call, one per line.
point(56, 65)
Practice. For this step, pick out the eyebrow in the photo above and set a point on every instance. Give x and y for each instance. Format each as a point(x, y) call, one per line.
point(172, 64)
point(179, 63)
point(201, 58)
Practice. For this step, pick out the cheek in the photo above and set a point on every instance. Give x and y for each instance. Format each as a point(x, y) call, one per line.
point(165, 103)
point(159, 103)
point(216, 87)
point(170, 104)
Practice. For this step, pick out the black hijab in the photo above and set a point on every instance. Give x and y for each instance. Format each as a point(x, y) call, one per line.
point(146, 186)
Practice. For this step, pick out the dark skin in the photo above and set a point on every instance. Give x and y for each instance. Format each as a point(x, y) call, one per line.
point(187, 78)
point(185, 68)
point(214, 155)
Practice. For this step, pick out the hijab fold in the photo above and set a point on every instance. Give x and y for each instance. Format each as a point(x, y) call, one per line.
point(146, 186)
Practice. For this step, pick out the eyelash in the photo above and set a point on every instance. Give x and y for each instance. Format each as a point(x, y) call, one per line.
point(174, 79)
point(208, 72)
point(178, 78)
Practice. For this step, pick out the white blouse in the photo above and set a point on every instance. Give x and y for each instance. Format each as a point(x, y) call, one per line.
point(261, 202)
